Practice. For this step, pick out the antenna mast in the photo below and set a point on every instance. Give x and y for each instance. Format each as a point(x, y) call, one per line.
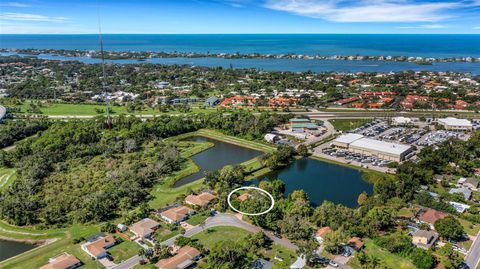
point(108, 123)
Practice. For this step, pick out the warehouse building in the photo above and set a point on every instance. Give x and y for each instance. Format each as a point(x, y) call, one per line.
point(370, 147)
point(454, 124)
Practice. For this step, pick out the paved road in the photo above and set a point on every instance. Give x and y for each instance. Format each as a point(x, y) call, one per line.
point(473, 256)
point(222, 219)
point(128, 263)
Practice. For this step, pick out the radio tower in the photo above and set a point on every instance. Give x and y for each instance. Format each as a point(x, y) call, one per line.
point(108, 122)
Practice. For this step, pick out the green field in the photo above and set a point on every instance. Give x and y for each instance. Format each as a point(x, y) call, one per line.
point(198, 218)
point(219, 234)
point(7, 176)
point(390, 260)
point(348, 124)
point(124, 251)
point(64, 109)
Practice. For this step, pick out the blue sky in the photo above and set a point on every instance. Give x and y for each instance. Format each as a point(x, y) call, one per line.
point(239, 16)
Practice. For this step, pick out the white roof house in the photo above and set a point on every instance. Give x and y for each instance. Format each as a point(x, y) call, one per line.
point(459, 207)
point(401, 120)
point(456, 124)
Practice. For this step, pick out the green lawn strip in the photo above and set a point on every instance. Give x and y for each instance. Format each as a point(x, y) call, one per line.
point(145, 266)
point(60, 109)
point(198, 218)
point(389, 259)
point(6, 177)
point(220, 233)
point(282, 253)
point(469, 227)
point(348, 124)
point(124, 251)
point(40, 255)
point(164, 194)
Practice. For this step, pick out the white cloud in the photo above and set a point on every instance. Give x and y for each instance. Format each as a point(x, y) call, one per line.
point(425, 26)
point(366, 10)
point(11, 16)
point(14, 4)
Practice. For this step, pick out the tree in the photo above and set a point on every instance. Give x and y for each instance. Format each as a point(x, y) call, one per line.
point(450, 258)
point(302, 150)
point(422, 259)
point(334, 240)
point(108, 227)
point(449, 228)
point(362, 198)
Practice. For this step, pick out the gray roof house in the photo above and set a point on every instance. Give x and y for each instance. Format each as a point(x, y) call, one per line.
point(262, 264)
point(471, 183)
point(467, 194)
point(212, 101)
point(424, 239)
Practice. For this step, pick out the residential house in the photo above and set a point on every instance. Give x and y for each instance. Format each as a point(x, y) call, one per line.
point(97, 246)
point(243, 197)
point(212, 101)
point(356, 243)
point(466, 193)
point(424, 239)
point(176, 214)
point(430, 216)
point(201, 199)
point(321, 233)
point(144, 228)
point(64, 261)
point(271, 138)
point(262, 264)
point(184, 258)
point(471, 183)
point(459, 207)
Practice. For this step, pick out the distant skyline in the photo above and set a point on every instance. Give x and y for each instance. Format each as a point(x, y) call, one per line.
point(240, 16)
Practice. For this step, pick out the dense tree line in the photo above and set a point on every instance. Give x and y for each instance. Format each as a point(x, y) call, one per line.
point(12, 131)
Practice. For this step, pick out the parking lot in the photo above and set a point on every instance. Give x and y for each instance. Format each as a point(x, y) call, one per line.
point(418, 134)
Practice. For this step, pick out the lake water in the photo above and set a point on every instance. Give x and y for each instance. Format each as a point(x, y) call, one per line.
point(293, 65)
point(216, 157)
point(322, 181)
point(9, 249)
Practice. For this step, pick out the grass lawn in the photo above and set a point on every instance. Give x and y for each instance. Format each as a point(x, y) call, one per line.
point(40, 255)
point(198, 218)
point(469, 227)
point(60, 109)
point(7, 176)
point(219, 234)
point(124, 251)
point(385, 257)
point(281, 252)
point(348, 124)
point(163, 234)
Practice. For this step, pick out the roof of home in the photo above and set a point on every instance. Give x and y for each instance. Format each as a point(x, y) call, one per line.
point(380, 146)
point(144, 227)
point(299, 120)
point(201, 199)
point(244, 197)
point(63, 261)
point(307, 125)
point(424, 233)
point(431, 215)
point(262, 264)
point(182, 259)
point(356, 242)
point(321, 232)
point(348, 138)
point(98, 247)
point(475, 182)
point(464, 191)
point(177, 213)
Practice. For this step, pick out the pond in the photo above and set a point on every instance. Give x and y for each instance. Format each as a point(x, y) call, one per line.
point(9, 249)
point(323, 181)
point(216, 157)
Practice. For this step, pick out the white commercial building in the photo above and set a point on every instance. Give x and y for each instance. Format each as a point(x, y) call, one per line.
point(370, 147)
point(401, 121)
point(455, 124)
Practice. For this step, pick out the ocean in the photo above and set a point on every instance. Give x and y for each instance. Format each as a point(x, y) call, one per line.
point(321, 44)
